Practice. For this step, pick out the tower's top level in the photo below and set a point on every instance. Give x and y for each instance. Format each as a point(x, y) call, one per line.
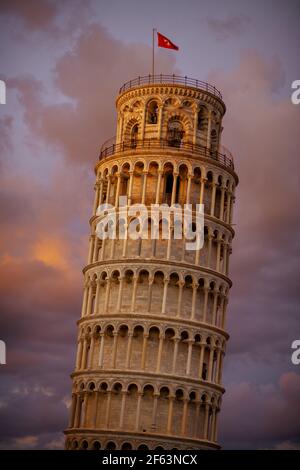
point(169, 112)
point(170, 80)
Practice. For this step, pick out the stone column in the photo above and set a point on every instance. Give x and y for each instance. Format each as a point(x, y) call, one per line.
point(95, 250)
point(175, 176)
point(195, 126)
point(102, 249)
point(79, 354)
point(214, 313)
point(216, 426)
point(91, 353)
point(221, 367)
point(160, 114)
point(210, 238)
point(128, 353)
point(194, 297)
point(125, 241)
point(231, 208)
point(213, 199)
point(85, 297)
point(228, 208)
point(197, 419)
point(101, 350)
point(202, 351)
point(135, 280)
point(221, 215)
point(119, 302)
point(210, 363)
point(123, 402)
point(77, 411)
point(90, 296)
point(202, 186)
point(73, 410)
point(154, 412)
point(160, 172)
point(118, 175)
point(96, 199)
point(170, 414)
point(189, 357)
point(184, 416)
point(84, 355)
point(176, 340)
point(213, 423)
point(143, 123)
point(144, 350)
point(160, 346)
point(107, 292)
point(114, 351)
point(96, 408)
point(108, 405)
point(149, 297)
point(206, 416)
point(208, 140)
point(188, 191)
point(101, 192)
point(138, 411)
point(108, 189)
point(217, 372)
point(145, 173)
point(91, 249)
point(180, 287)
point(219, 241)
point(225, 303)
point(130, 187)
point(164, 300)
point(96, 304)
point(205, 289)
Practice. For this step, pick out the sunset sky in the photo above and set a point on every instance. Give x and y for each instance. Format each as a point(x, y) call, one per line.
point(63, 63)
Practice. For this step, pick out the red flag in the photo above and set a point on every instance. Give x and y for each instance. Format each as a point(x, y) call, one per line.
point(162, 41)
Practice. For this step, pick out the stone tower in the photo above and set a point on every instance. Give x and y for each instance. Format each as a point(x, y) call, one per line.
point(151, 337)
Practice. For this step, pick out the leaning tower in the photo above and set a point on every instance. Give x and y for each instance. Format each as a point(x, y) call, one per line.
point(152, 337)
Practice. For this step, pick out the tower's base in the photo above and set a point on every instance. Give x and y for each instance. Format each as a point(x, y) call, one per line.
point(91, 439)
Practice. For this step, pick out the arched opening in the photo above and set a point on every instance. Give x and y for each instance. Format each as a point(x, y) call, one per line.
point(168, 188)
point(214, 140)
point(110, 446)
point(175, 133)
point(143, 447)
point(96, 445)
point(126, 446)
point(84, 445)
point(152, 112)
point(201, 119)
point(134, 135)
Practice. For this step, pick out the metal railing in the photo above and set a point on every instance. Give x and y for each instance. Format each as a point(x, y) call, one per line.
point(225, 159)
point(170, 80)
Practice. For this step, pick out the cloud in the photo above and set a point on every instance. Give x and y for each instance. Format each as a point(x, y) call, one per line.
point(5, 136)
point(79, 125)
point(36, 14)
point(229, 28)
point(267, 415)
point(26, 442)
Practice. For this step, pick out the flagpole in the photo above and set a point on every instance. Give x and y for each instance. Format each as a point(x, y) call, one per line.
point(153, 34)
